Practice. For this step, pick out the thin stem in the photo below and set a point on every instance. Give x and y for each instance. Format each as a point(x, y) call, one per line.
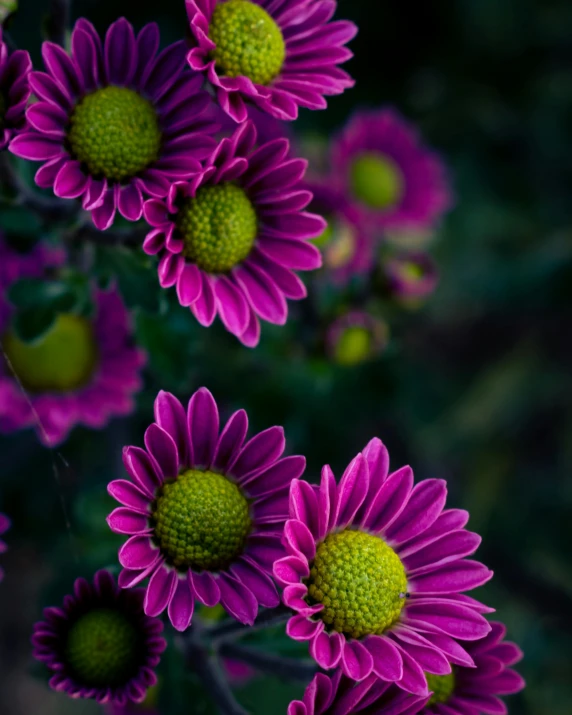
point(231, 629)
point(58, 21)
point(207, 668)
point(270, 663)
point(48, 209)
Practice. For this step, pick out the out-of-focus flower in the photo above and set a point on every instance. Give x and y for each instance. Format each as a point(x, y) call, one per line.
point(356, 337)
point(231, 238)
point(376, 573)
point(99, 643)
point(15, 70)
point(115, 122)
point(81, 371)
point(412, 277)
point(476, 691)
point(204, 511)
point(277, 54)
point(387, 174)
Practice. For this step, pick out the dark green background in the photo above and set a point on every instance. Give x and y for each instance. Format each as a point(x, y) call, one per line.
point(475, 388)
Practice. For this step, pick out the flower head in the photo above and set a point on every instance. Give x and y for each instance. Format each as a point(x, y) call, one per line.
point(15, 70)
point(99, 643)
point(388, 176)
point(339, 695)
point(83, 370)
point(356, 337)
point(115, 122)
point(204, 511)
point(4, 526)
point(347, 246)
point(276, 54)
point(376, 572)
point(476, 691)
point(231, 238)
point(411, 276)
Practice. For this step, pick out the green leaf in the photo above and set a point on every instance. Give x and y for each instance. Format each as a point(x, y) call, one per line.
point(31, 323)
point(31, 292)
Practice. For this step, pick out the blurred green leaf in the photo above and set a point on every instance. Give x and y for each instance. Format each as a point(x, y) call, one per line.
point(31, 323)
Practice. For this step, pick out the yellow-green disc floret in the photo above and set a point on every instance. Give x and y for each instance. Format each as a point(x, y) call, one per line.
point(248, 41)
point(115, 133)
point(442, 687)
point(102, 648)
point(376, 180)
point(219, 227)
point(62, 359)
point(201, 521)
point(354, 346)
point(361, 582)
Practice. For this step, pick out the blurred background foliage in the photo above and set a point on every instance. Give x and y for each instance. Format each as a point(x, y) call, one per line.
point(476, 387)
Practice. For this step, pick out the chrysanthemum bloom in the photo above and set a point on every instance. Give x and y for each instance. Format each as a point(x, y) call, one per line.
point(387, 174)
point(115, 122)
point(4, 526)
point(340, 695)
point(277, 54)
point(411, 276)
point(375, 573)
point(99, 643)
point(356, 337)
point(230, 238)
point(81, 371)
point(204, 512)
point(476, 691)
point(14, 91)
point(346, 244)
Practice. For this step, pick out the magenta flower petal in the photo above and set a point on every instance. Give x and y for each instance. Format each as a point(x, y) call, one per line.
point(173, 491)
point(133, 643)
point(15, 71)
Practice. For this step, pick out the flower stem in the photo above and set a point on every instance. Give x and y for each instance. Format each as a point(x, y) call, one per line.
point(231, 629)
point(270, 663)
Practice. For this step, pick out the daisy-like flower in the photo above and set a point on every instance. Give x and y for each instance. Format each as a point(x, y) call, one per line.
point(276, 54)
point(346, 245)
point(411, 277)
point(4, 526)
point(231, 238)
point(81, 371)
point(115, 122)
point(204, 512)
point(356, 337)
point(14, 91)
point(99, 643)
point(391, 179)
point(376, 572)
point(476, 691)
point(340, 695)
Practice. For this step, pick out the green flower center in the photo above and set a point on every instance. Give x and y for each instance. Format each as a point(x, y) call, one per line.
point(115, 132)
point(248, 41)
point(61, 360)
point(354, 345)
point(442, 687)
point(338, 244)
point(201, 521)
point(2, 110)
point(376, 180)
point(219, 227)
point(103, 648)
point(361, 582)
point(411, 272)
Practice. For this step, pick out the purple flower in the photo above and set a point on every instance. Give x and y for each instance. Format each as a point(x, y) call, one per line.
point(115, 122)
point(231, 238)
point(204, 512)
point(347, 245)
point(4, 526)
point(81, 371)
point(390, 178)
point(376, 572)
point(475, 691)
point(14, 91)
point(277, 54)
point(340, 695)
point(356, 337)
point(411, 276)
point(99, 643)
